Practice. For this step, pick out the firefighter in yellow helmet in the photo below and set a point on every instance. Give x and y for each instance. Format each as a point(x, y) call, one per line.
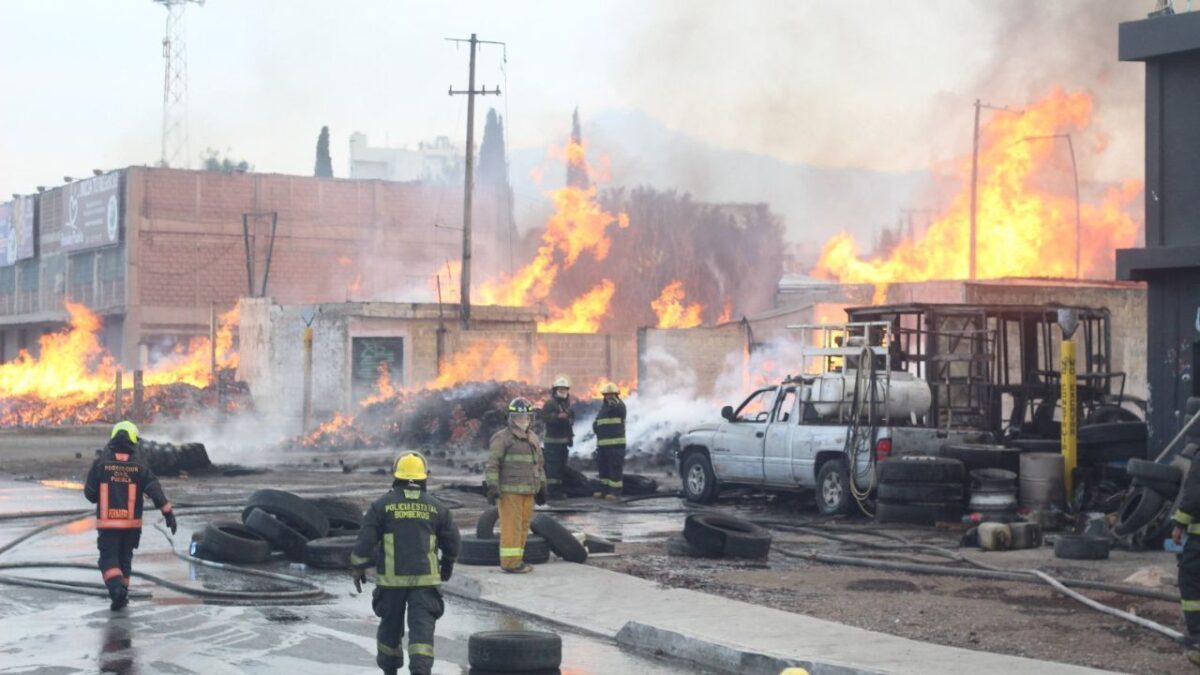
point(516, 479)
point(558, 420)
point(115, 484)
point(407, 526)
point(610, 443)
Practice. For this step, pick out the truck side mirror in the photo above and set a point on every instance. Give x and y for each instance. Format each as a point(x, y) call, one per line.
point(727, 413)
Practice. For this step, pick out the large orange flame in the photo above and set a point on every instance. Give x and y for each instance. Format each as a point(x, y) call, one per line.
point(584, 314)
point(383, 386)
point(478, 363)
point(1026, 210)
point(671, 310)
point(73, 369)
point(579, 225)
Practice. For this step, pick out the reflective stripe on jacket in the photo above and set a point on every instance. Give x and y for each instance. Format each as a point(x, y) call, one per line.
point(610, 425)
point(116, 483)
point(558, 431)
point(402, 533)
point(1189, 500)
point(515, 464)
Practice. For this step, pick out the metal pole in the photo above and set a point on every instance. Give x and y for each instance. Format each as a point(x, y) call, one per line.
point(308, 343)
point(974, 189)
point(212, 343)
point(1078, 227)
point(117, 399)
point(1070, 417)
point(464, 291)
point(138, 395)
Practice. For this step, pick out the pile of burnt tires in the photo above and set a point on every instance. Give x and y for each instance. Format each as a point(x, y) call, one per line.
point(1143, 520)
point(920, 490)
point(320, 533)
point(169, 459)
point(548, 536)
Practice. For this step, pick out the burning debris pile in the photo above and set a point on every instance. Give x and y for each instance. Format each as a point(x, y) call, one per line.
point(73, 379)
point(461, 417)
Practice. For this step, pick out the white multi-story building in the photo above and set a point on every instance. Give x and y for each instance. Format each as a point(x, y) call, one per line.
point(433, 160)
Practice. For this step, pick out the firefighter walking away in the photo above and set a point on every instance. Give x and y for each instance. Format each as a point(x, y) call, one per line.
point(402, 533)
point(559, 421)
point(116, 484)
point(1187, 526)
point(610, 443)
point(516, 479)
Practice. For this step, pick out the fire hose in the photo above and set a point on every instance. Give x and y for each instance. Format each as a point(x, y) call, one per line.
point(310, 591)
point(979, 570)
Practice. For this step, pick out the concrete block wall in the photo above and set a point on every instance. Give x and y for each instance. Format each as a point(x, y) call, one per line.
point(703, 351)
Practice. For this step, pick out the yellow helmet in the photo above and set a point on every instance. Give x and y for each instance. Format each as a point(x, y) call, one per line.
point(128, 427)
point(561, 382)
point(410, 466)
point(793, 671)
point(610, 388)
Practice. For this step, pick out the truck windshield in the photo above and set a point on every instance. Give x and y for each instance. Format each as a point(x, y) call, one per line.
point(757, 408)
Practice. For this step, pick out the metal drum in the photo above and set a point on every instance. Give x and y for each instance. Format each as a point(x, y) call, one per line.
point(1042, 480)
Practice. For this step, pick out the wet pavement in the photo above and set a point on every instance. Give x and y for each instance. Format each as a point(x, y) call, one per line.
point(48, 631)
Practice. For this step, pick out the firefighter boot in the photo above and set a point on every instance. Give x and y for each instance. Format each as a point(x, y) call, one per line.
point(120, 598)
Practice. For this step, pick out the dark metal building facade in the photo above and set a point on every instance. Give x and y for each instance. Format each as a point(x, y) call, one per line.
point(1170, 261)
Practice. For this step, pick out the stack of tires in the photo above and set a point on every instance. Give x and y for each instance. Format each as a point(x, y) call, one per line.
point(993, 495)
point(301, 529)
point(1144, 518)
point(920, 490)
point(168, 459)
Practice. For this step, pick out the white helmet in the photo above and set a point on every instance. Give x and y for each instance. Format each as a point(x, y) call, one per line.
point(561, 382)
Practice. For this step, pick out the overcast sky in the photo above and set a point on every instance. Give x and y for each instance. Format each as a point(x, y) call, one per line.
point(876, 84)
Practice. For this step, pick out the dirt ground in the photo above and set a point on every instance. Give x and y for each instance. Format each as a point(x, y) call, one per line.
point(1005, 617)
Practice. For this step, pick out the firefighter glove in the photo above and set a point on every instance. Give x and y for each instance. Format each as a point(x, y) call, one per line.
point(358, 575)
point(169, 516)
point(540, 497)
point(447, 569)
point(493, 493)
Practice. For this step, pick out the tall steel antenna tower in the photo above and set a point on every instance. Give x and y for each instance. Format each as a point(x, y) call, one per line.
point(175, 148)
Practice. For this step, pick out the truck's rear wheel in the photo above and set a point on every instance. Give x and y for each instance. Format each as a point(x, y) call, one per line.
point(833, 488)
point(699, 481)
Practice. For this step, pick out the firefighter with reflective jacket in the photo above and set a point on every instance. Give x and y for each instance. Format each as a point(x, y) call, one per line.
point(610, 443)
point(407, 527)
point(1187, 519)
point(559, 420)
point(516, 479)
point(115, 484)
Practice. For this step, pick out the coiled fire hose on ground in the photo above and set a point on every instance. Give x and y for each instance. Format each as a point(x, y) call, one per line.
point(309, 591)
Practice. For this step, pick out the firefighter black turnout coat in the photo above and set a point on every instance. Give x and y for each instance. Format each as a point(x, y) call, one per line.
point(116, 484)
point(559, 431)
point(610, 425)
point(1188, 517)
point(409, 526)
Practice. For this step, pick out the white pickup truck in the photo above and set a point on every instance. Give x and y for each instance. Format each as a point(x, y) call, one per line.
point(793, 436)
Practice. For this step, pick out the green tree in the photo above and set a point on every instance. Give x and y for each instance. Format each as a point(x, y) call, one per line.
point(324, 165)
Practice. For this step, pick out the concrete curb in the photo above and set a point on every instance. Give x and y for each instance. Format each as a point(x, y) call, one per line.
point(702, 652)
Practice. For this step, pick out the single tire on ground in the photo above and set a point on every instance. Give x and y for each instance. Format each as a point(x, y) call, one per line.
point(489, 671)
point(486, 552)
point(635, 484)
point(975, 456)
point(921, 492)
point(1080, 547)
point(918, 513)
point(1144, 468)
point(717, 535)
point(485, 527)
point(1138, 509)
point(299, 513)
point(699, 480)
point(920, 469)
point(514, 651)
point(561, 541)
point(280, 535)
point(233, 542)
point(341, 513)
point(329, 552)
point(1168, 491)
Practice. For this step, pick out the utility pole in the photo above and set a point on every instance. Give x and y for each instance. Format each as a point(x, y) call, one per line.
point(469, 182)
point(975, 181)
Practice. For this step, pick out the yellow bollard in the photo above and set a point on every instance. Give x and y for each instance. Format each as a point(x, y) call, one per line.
point(1070, 417)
